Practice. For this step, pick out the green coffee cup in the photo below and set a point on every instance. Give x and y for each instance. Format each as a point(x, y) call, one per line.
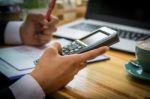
point(143, 54)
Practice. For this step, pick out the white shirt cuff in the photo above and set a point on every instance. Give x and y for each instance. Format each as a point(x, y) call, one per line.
point(12, 32)
point(27, 88)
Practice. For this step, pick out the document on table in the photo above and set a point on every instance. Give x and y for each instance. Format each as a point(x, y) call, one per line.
point(21, 58)
point(16, 61)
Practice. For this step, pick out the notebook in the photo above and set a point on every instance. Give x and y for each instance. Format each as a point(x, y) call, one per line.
point(130, 19)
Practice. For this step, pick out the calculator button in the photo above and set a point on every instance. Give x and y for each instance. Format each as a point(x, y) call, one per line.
point(66, 51)
point(76, 49)
point(71, 51)
point(73, 48)
point(79, 47)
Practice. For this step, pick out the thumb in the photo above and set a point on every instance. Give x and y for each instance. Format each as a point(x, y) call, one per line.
point(57, 46)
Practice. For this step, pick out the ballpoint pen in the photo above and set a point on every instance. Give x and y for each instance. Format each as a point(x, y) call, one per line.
point(49, 11)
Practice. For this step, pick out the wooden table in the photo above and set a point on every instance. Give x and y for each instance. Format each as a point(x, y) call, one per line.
point(106, 80)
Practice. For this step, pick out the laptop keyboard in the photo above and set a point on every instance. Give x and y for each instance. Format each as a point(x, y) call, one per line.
point(132, 35)
point(86, 27)
point(122, 33)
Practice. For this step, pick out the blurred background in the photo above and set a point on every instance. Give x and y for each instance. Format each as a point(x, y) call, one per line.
point(66, 10)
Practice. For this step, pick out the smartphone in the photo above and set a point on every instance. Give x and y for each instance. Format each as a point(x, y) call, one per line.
point(103, 36)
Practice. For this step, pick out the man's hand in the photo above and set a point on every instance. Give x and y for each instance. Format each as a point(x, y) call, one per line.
point(36, 30)
point(54, 70)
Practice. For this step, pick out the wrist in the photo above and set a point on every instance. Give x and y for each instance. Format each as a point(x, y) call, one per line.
point(36, 75)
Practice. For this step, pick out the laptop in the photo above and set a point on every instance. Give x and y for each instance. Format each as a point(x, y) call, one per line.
point(130, 19)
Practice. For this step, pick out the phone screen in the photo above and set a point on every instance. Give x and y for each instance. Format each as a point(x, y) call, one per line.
point(94, 38)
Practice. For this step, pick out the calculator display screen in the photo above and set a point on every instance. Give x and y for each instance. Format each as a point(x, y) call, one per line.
point(94, 38)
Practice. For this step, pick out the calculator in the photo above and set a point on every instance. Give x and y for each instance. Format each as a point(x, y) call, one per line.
point(103, 36)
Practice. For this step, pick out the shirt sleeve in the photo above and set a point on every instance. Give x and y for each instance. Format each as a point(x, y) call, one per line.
point(12, 32)
point(27, 88)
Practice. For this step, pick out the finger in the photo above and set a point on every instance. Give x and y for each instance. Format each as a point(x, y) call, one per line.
point(45, 27)
point(54, 48)
point(78, 67)
point(50, 30)
point(54, 22)
point(57, 46)
point(44, 22)
point(90, 54)
point(36, 17)
point(44, 37)
point(50, 24)
point(82, 65)
point(47, 24)
point(54, 19)
point(43, 42)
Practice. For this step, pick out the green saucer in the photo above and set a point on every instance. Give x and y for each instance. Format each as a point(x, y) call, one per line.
point(137, 72)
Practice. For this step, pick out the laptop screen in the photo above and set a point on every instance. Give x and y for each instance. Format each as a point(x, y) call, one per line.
point(120, 11)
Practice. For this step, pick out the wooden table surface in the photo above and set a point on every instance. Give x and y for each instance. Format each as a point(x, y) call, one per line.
point(106, 80)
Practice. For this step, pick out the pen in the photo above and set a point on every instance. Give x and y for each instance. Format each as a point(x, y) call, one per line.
point(49, 11)
point(51, 7)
